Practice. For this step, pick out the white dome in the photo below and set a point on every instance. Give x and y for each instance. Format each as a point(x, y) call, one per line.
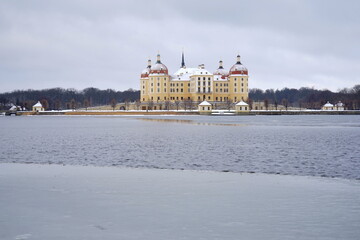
point(158, 67)
point(238, 68)
point(221, 71)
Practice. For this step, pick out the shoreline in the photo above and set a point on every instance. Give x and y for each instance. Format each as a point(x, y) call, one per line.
point(214, 113)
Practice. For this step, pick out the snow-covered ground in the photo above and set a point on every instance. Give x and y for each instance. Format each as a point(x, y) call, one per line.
point(78, 202)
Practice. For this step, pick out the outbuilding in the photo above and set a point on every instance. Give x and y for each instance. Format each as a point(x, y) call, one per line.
point(242, 107)
point(38, 107)
point(205, 107)
point(328, 106)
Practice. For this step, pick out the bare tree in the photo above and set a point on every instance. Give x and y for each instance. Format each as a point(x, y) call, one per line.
point(127, 104)
point(113, 103)
point(185, 104)
point(44, 103)
point(285, 103)
point(266, 103)
point(167, 105)
point(58, 104)
point(150, 104)
point(86, 103)
point(276, 105)
point(138, 104)
point(73, 104)
point(191, 104)
point(228, 104)
point(250, 102)
point(177, 103)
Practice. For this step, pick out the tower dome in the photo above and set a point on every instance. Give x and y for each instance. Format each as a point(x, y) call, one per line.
point(146, 71)
point(221, 70)
point(238, 68)
point(158, 67)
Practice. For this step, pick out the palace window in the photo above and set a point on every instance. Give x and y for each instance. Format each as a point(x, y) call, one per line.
point(198, 89)
point(152, 84)
point(182, 90)
point(204, 78)
point(198, 78)
point(158, 90)
point(242, 90)
point(164, 89)
point(182, 84)
point(235, 90)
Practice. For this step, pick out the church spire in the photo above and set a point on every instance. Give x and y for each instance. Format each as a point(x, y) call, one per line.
point(182, 60)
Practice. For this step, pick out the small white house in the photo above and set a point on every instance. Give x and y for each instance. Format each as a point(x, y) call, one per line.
point(328, 106)
point(339, 106)
point(205, 107)
point(38, 107)
point(242, 107)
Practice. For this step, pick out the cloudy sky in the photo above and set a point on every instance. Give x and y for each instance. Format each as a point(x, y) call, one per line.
point(106, 44)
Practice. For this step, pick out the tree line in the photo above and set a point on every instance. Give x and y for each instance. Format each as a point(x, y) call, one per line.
point(307, 97)
point(59, 98)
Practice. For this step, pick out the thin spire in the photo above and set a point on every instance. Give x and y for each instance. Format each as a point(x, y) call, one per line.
point(158, 58)
point(182, 60)
point(149, 63)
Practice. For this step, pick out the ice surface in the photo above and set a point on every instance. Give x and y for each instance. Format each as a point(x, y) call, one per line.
point(78, 202)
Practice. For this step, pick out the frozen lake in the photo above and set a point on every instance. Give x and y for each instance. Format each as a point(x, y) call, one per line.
point(318, 145)
point(55, 202)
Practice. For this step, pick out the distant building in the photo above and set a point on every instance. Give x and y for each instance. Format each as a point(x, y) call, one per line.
point(338, 106)
point(205, 107)
point(242, 107)
point(193, 84)
point(38, 107)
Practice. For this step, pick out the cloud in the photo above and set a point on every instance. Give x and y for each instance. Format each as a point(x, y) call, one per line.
point(106, 44)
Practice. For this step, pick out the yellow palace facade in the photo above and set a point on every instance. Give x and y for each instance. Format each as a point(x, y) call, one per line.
point(193, 84)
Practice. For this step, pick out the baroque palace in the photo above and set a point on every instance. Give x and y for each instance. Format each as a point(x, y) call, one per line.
point(194, 84)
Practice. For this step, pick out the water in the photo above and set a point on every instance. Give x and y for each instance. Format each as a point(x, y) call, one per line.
point(318, 145)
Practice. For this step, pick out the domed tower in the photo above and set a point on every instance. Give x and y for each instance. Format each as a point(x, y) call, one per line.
point(238, 68)
point(144, 82)
point(238, 81)
point(159, 79)
point(158, 68)
point(221, 71)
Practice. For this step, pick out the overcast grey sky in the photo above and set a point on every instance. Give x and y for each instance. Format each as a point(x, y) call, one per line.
point(106, 44)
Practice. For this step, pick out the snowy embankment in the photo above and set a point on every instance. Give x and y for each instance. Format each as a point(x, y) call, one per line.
point(77, 202)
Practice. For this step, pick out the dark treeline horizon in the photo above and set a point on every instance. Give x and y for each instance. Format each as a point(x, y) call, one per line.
point(60, 98)
point(70, 98)
point(306, 97)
